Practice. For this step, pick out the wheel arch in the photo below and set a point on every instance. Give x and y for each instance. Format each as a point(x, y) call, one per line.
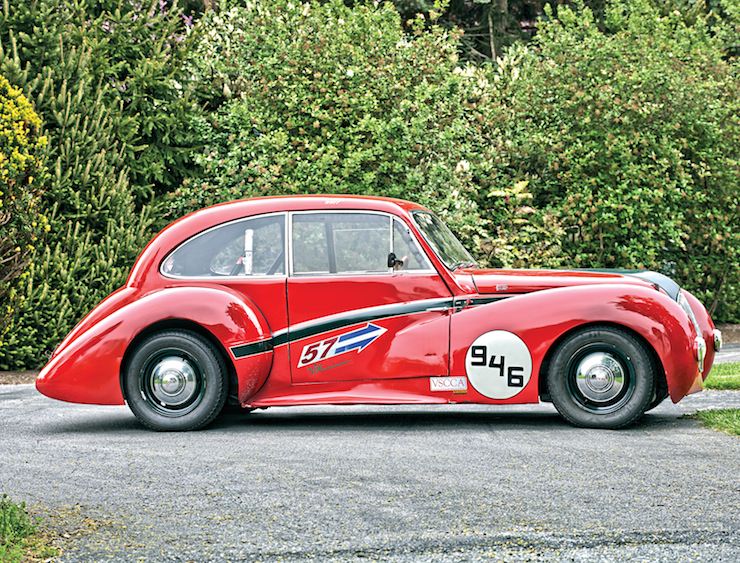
point(181, 324)
point(544, 366)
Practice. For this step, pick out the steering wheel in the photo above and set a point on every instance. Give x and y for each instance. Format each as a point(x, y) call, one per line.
point(238, 265)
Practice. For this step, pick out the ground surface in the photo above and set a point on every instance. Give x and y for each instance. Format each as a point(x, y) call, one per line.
point(398, 483)
point(729, 353)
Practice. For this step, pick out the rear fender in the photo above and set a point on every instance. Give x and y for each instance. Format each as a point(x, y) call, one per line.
point(87, 367)
point(543, 317)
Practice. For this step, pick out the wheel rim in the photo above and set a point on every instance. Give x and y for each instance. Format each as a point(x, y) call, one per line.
point(601, 378)
point(172, 382)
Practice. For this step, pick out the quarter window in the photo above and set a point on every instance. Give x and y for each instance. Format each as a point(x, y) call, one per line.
point(251, 247)
point(406, 249)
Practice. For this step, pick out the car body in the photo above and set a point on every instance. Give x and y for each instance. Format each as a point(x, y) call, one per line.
point(309, 300)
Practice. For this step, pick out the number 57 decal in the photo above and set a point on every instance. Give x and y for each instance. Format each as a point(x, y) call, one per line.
point(357, 339)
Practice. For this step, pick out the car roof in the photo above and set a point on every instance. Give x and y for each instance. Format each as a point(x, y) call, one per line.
point(315, 201)
point(232, 210)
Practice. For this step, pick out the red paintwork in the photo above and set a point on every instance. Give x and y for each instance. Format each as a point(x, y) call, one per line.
point(526, 281)
point(541, 308)
point(410, 348)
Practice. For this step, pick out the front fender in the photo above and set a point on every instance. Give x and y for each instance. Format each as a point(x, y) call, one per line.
point(86, 367)
point(541, 318)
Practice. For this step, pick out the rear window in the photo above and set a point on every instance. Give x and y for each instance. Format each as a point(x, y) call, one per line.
point(248, 247)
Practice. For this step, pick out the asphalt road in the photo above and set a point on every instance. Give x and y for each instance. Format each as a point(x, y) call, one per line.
point(445, 483)
point(729, 353)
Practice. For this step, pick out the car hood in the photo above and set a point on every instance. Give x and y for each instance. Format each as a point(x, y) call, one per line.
point(524, 281)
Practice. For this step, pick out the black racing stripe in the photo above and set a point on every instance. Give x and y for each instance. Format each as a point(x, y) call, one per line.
point(353, 318)
point(356, 317)
point(252, 348)
point(486, 300)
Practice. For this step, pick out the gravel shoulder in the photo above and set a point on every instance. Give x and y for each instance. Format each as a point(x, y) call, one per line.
point(17, 377)
point(392, 483)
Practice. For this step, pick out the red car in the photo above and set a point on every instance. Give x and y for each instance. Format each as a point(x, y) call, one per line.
point(343, 300)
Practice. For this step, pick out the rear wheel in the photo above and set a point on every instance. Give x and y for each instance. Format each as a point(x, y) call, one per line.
point(601, 377)
point(175, 380)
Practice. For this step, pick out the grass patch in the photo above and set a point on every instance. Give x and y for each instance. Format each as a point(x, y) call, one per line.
point(724, 420)
point(724, 377)
point(20, 539)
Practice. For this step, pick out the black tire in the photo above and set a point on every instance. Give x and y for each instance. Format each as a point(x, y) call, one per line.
point(165, 362)
point(620, 365)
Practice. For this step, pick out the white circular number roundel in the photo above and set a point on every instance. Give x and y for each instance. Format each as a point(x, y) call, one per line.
point(498, 364)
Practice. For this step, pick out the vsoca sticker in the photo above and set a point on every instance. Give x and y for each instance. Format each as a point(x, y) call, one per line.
point(452, 383)
point(357, 339)
point(498, 364)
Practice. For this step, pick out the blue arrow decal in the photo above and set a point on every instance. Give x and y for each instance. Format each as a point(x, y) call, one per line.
point(360, 345)
point(359, 332)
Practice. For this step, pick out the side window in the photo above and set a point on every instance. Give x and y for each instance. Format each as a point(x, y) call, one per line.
point(310, 251)
point(336, 243)
point(406, 249)
point(252, 247)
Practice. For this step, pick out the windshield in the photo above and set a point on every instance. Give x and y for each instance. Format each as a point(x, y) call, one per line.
point(441, 239)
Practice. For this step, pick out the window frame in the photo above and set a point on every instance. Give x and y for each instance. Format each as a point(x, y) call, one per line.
point(431, 244)
point(288, 249)
point(388, 272)
point(242, 277)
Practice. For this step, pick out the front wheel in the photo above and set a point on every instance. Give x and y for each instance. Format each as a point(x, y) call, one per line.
point(175, 380)
point(601, 377)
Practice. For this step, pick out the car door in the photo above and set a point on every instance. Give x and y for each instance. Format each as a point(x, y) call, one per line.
point(364, 302)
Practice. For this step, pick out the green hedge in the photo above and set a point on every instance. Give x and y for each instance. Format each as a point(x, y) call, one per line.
point(600, 144)
point(628, 135)
point(609, 145)
point(22, 175)
point(322, 98)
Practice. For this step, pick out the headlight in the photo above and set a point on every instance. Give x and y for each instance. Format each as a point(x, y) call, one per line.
point(700, 350)
point(700, 346)
point(686, 307)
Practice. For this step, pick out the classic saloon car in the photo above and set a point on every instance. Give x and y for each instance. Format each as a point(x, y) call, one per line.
point(344, 300)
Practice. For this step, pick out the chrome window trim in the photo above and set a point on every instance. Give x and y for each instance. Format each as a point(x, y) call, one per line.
point(418, 246)
point(390, 271)
point(217, 278)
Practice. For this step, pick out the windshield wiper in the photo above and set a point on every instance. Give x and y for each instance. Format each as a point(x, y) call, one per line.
point(462, 264)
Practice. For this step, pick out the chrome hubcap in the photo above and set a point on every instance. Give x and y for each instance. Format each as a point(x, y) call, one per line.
point(173, 381)
point(600, 377)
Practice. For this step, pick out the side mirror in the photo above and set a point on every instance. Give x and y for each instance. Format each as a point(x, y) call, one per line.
point(393, 261)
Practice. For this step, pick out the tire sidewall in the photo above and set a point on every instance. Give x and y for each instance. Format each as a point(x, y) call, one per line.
point(633, 351)
point(210, 365)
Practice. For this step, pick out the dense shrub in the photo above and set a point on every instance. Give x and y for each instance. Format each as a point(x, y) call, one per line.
point(610, 145)
point(21, 179)
point(605, 143)
point(105, 75)
point(325, 99)
point(629, 137)
point(96, 229)
point(135, 50)
point(322, 98)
